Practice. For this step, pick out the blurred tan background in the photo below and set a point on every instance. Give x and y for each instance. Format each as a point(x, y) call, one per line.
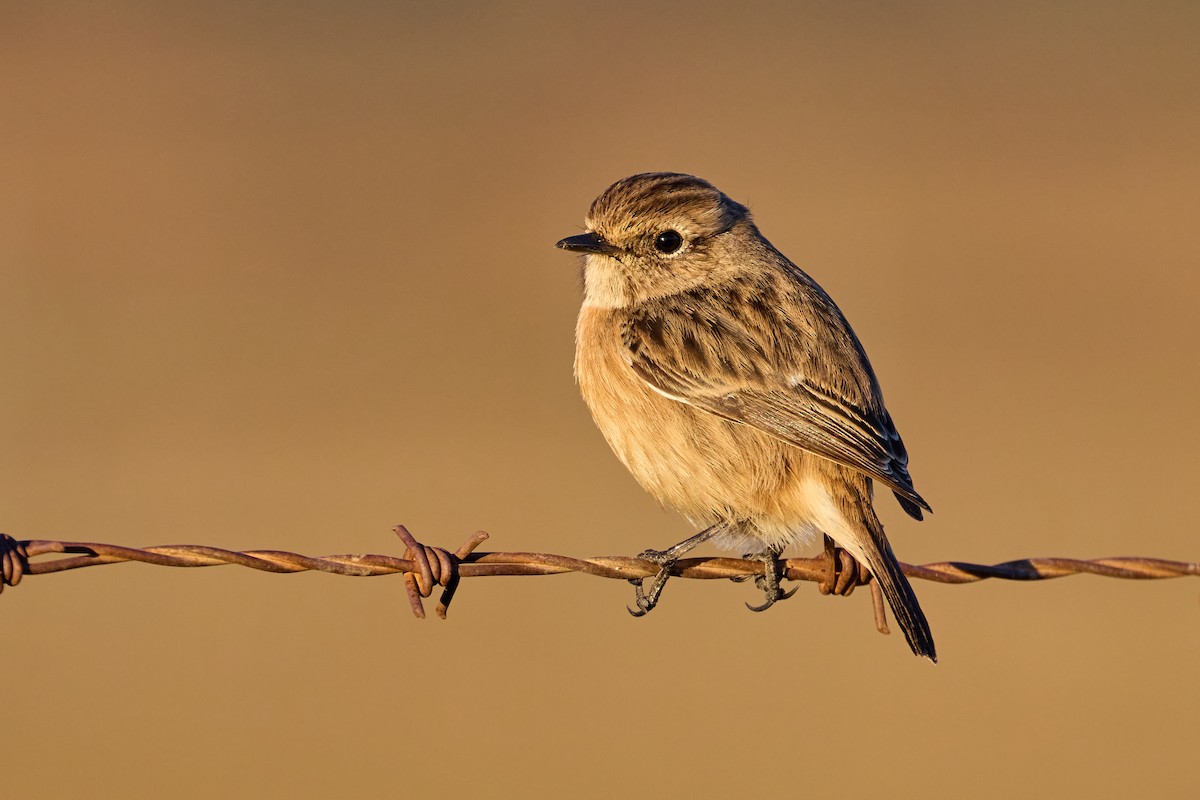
point(281, 275)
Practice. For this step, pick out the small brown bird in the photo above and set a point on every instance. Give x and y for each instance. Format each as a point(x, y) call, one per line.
point(731, 386)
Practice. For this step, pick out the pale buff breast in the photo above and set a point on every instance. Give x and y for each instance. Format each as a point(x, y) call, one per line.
point(706, 467)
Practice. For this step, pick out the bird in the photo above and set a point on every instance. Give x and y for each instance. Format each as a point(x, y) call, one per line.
point(732, 387)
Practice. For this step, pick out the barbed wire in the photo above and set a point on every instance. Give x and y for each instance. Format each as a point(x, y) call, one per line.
point(425, 567)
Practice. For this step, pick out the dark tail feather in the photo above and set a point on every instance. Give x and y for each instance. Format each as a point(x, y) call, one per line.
point(903, 601)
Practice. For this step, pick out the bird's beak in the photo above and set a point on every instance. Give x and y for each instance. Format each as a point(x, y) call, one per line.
point(587, 243)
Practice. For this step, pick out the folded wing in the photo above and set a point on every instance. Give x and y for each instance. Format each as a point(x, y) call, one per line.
point(786, 362)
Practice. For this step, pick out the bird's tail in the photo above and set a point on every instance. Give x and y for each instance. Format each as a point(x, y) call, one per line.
point(882, 563)
point(905, 608)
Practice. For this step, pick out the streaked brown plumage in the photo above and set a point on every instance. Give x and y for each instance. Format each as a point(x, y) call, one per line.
point(729, 383)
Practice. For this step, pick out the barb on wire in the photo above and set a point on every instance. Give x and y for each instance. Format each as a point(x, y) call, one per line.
point(424, 567)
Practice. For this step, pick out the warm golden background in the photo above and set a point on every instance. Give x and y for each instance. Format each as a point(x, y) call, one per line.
point(280, 275)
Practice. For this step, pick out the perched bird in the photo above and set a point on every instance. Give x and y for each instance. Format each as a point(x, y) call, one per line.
point(731, 386)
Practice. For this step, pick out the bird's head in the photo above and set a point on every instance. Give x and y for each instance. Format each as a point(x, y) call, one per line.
point(655, 234)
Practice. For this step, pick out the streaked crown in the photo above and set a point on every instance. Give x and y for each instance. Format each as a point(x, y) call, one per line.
point(694, 206)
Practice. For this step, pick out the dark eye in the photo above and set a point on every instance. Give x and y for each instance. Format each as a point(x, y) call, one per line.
point(668, 242)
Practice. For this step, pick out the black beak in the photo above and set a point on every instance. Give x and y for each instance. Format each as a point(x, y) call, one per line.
point(587, 243)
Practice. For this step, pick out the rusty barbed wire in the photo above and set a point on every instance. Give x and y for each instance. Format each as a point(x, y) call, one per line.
point(425, 567)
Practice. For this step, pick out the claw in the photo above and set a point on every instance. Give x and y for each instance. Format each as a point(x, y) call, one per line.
point(643, 602)
point(768, 582)
point(772, 600)
point(665, 559)
point(647, 602)
point(747, 576)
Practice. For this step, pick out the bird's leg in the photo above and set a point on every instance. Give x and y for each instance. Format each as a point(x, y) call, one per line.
point(647, 600)
point(769, 580)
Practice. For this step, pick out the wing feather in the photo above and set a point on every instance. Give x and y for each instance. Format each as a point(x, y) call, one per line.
point(786, 363)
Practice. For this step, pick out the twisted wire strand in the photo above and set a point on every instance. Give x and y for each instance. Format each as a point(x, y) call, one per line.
point(425, 567)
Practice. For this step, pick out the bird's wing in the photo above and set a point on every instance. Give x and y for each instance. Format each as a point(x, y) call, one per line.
point(788, 365)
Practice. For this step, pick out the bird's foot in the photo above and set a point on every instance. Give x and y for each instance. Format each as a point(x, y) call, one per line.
point(645, 599)
point(768, 582)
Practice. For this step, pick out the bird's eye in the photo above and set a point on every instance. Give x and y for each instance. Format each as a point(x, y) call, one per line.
point(668, 242)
